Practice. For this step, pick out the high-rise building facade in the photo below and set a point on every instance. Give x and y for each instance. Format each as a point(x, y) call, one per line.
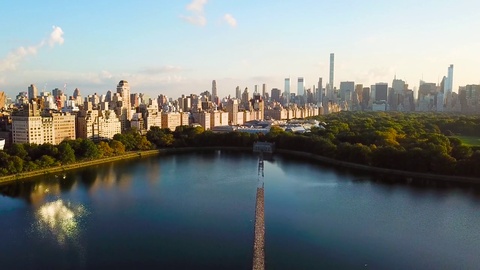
point(29, 126)
point(246, 99)
point(232, 109)
point(381, 92)
point(97, 124)
point(398, 94)
point(276, 93)
point(346, 90)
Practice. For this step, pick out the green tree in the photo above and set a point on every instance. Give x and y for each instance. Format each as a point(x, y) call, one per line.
point(66, 154)
point(104, 149)
point(143, 144)
point(127, 140)
point(117, 147)
point(48, 149)
point(18, 149)
point(160, 137)
point(89, 150)
point(45, 161)
point(15, 164)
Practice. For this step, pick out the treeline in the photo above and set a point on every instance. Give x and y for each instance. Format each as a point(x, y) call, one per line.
point(418, 142)
point(25, 157)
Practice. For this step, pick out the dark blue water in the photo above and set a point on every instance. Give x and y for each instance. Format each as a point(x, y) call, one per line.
point(195, 211)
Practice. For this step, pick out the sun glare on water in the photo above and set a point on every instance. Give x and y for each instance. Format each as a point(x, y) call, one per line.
point(59, 219)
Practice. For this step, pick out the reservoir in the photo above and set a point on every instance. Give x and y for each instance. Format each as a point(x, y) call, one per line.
point(196, 211)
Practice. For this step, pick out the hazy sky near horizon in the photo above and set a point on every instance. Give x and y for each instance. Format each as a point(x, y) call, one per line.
point(179, 47)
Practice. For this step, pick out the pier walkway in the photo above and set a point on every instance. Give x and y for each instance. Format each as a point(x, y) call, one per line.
point(259, 237)
point(259, 240)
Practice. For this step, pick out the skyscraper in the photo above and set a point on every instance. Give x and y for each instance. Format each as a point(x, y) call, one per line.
point(238, 93)
point(246, 99)
point(448, 88)
point(332, 70)
point(232, 109)
point(287, 89)
point(123, 88)
point(214, 91)
point(346, 90)
point(264, 90)
point(398, 93)
point(381, 92)
point(300, 87)
point(276, 94)
point(319, 92)
point(76, 93)
point(32, 92)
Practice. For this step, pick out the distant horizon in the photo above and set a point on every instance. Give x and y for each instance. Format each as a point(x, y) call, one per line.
point(179, 47)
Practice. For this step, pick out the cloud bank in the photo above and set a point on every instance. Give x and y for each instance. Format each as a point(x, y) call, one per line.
point(15, 57)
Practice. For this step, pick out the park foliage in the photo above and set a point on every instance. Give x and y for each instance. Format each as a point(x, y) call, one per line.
point(417, 142)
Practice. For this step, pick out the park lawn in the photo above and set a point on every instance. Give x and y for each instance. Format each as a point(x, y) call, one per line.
point(469, 140)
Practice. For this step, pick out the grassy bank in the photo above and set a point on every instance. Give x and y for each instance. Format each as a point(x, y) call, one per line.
point(81, 164)
point(383, 171)
point(130, 155)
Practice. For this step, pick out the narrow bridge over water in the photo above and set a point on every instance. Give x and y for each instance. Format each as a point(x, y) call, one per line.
point(259, 238)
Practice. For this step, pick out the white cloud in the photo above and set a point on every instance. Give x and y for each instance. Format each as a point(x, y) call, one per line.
point(197, 6)
point(197, 16)
point(15, 57)
point(199, 20)
point(228, 18)
point(56, 37)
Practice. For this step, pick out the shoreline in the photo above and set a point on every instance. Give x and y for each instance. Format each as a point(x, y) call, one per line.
point(384, 171)
point(8, 179)
point(326, 160)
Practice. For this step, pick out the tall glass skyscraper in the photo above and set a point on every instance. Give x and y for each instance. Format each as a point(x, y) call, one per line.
point(32, 92)
point(319, 91)
point(448, 88)
point(301, 87)
point(214, 91)
point(287, 89)
point(332, 70)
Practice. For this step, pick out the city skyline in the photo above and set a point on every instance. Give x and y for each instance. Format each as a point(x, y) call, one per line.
point(179, 47)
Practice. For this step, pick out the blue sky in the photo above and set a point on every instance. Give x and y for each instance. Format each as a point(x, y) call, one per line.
point(178, 47)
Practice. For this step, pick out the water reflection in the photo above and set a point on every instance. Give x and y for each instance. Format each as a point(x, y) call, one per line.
point(35, 192)
point(60, 220)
